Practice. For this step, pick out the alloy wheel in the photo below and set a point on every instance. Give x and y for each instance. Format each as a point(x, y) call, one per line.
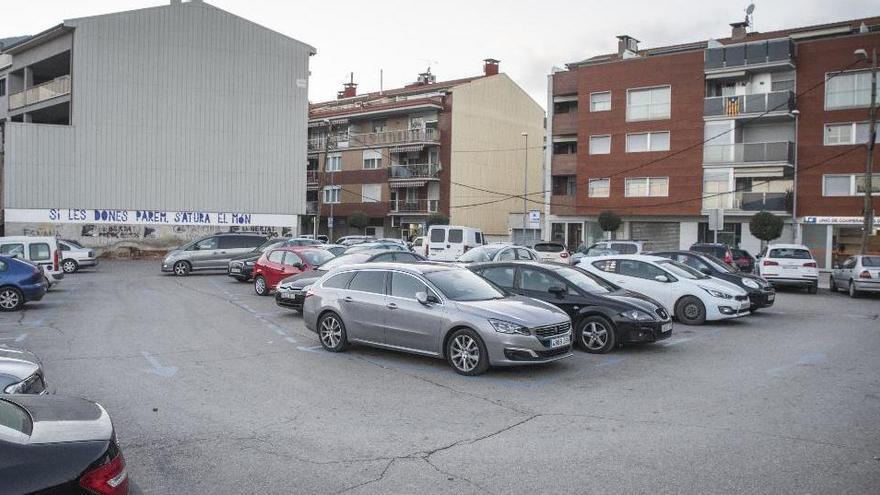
point(69, 266)
point(465, 353)
point(594, 335)
point(260, 285)
point(180, 269)
point(331, 331)
point(9, 299)
point(691, 311)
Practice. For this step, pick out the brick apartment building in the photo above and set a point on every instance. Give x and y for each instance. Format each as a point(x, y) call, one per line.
point(401, 155)
point(661, 136)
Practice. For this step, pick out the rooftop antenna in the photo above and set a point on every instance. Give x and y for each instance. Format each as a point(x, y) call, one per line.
point(750, 17)
point(430, 63)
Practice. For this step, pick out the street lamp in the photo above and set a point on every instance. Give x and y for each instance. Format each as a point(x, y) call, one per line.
point(525, 184)
point(868, 226)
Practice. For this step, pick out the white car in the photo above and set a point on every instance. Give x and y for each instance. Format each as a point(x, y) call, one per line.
point(498, 251)
point(448, 242)
point(789, 264)
point(554, 252)
point(74, 256)
point(41, 251)
point(691, 296)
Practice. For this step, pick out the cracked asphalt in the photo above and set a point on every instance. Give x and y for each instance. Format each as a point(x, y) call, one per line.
point(213, 389)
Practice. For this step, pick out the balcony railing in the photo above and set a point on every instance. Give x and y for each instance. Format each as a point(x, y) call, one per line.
point(416, 206)
point(749, 153)
point(415, 171)
point(732, 106)
point(317, 144)
point(758, 201)
point(59, 86)
point(403, 136)
point(311, 207)
point(311, 176)
point(741, 56)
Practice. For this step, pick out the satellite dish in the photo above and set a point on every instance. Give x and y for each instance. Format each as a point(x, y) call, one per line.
point(750, 9)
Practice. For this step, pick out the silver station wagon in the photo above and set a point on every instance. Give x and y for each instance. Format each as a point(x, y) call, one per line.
point(436, 310)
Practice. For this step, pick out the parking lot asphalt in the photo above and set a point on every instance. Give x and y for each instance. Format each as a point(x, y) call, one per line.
point(213, 389)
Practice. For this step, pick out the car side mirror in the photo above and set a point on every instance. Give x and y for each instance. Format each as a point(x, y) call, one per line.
point(422, 298)
point(298, 266)
point(661, 278)
point(557, 291)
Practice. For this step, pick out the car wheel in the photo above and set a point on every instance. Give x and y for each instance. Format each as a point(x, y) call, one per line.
point(832, 285)
point(595, 335)
point(11, 299)
point(69, 266)
point(260, 286)
point(812, 289)
point(466, 353)
point(690, 311)
point(331, 332)
point(181, 268)
point(852, 290)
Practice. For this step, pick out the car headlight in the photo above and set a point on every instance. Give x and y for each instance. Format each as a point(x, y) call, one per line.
point(637, 315)
point(502, 326)
point(717, 293)
point(15, 388)
point(249, 263)
point(751, 283)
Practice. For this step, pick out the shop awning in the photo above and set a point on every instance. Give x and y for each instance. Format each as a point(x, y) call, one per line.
point(407, 183)
point(410, 148)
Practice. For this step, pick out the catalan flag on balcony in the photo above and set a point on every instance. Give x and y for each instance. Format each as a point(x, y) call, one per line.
point(732, 105)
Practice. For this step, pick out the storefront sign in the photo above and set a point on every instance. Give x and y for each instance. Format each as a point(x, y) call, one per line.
point(534, 219)
point(147, 217)
point(838, 220)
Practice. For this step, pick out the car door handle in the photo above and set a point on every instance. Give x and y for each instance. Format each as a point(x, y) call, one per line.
point(391, 306)
point(348, 299)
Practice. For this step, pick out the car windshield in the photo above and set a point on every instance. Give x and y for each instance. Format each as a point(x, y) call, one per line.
point(790, 253)
point(548, 247)
point(463, 285)
point(597, 251)
point(872, 261)
point(316, 257)
point(482, 253)
point(346, 259)
point(718, 264)
point(681, 270)
point(270, 244)
point(586, 282)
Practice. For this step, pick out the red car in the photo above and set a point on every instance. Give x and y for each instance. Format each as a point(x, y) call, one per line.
point(277, 264)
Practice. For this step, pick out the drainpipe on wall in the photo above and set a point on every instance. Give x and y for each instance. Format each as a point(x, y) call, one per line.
point(548, 157)
point(795, 226)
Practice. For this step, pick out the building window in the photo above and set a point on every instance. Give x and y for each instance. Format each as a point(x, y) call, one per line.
point(565, 107)
point(334, 163)
point(647, 187)
point(600, 145)
point(331, 194)
point(599, 188)
point(848, 90)
point(648, 104)
point(371, 193)
point(848, 185)
point(565, 148)
point(372, 159)
point(647, 141)
point(564, 185)
point(3, 87)
point(600, 102)
point(378, 125)
point(848, 133)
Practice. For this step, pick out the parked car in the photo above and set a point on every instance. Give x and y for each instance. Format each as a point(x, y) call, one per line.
point(720, 251)
point(691, 296)
point(290, 292)
point(41, 251)
point(279, 263)
point(743, 259)
point(603, 315)
point(857, 274)
point(351, 240)
point(212, 252)
point(58, 445)
point(444, 311)
point(322, 238)
point(304, 241)
point(789, 265)
point(74, 256)
point(761, 293)
point(334, 249)
point(449, 242)
point(21, 372)
point(605, 248)
point(552, 251)
point(498, 252)
point(20, 282)
point(241, 267)
point(371, 246)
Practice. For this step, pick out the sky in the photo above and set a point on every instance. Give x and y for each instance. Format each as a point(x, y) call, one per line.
point(402, 38)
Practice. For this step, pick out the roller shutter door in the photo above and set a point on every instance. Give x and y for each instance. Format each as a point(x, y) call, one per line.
point(663, 235)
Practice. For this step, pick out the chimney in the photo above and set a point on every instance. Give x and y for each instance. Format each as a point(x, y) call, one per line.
point(490, 66)
point(626, 43)
point(349, 89)
point(739, 30)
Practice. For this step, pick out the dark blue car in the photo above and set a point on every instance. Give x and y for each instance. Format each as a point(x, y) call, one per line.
point(20, 282)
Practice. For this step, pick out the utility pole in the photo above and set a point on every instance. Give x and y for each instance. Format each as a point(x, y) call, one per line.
point(868, 225)
point(525, 216)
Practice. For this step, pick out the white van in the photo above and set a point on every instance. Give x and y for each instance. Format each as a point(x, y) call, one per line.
point(41, 251)
point(448, 242)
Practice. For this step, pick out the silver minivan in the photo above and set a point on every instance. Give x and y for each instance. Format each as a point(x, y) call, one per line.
point(437, 310)
point(209, 253)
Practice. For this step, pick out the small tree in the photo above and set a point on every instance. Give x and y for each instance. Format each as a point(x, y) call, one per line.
point(436, 219)
point(766, 227)
point(358, 220)
point(609, 222)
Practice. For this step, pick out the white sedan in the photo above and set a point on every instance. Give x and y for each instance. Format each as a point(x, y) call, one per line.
point(691, 296)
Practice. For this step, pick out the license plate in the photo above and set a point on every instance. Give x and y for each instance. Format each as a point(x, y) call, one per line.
point(235, 269)
point(789, 268)
point(560, 341)
point(288, 295)
point(666, 327)
point(771, 297)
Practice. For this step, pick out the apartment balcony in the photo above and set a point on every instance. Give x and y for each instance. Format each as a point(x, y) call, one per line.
point(392, 138)
point(418, 172)
point(749, 202)
point(311, 207)
point(749, 154)
point(564, 164)
point(317, 144)
point(55, 88)
point(758, 55)
point(312, 179)
point(776, 102)
point(565, 123)
point(414, 207)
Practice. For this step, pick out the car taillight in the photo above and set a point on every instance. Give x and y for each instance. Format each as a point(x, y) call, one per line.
point(107, 479)
point(770, 263)
point(728, 258)
point(55, 261)
point(810, 264)
point(865, 274)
